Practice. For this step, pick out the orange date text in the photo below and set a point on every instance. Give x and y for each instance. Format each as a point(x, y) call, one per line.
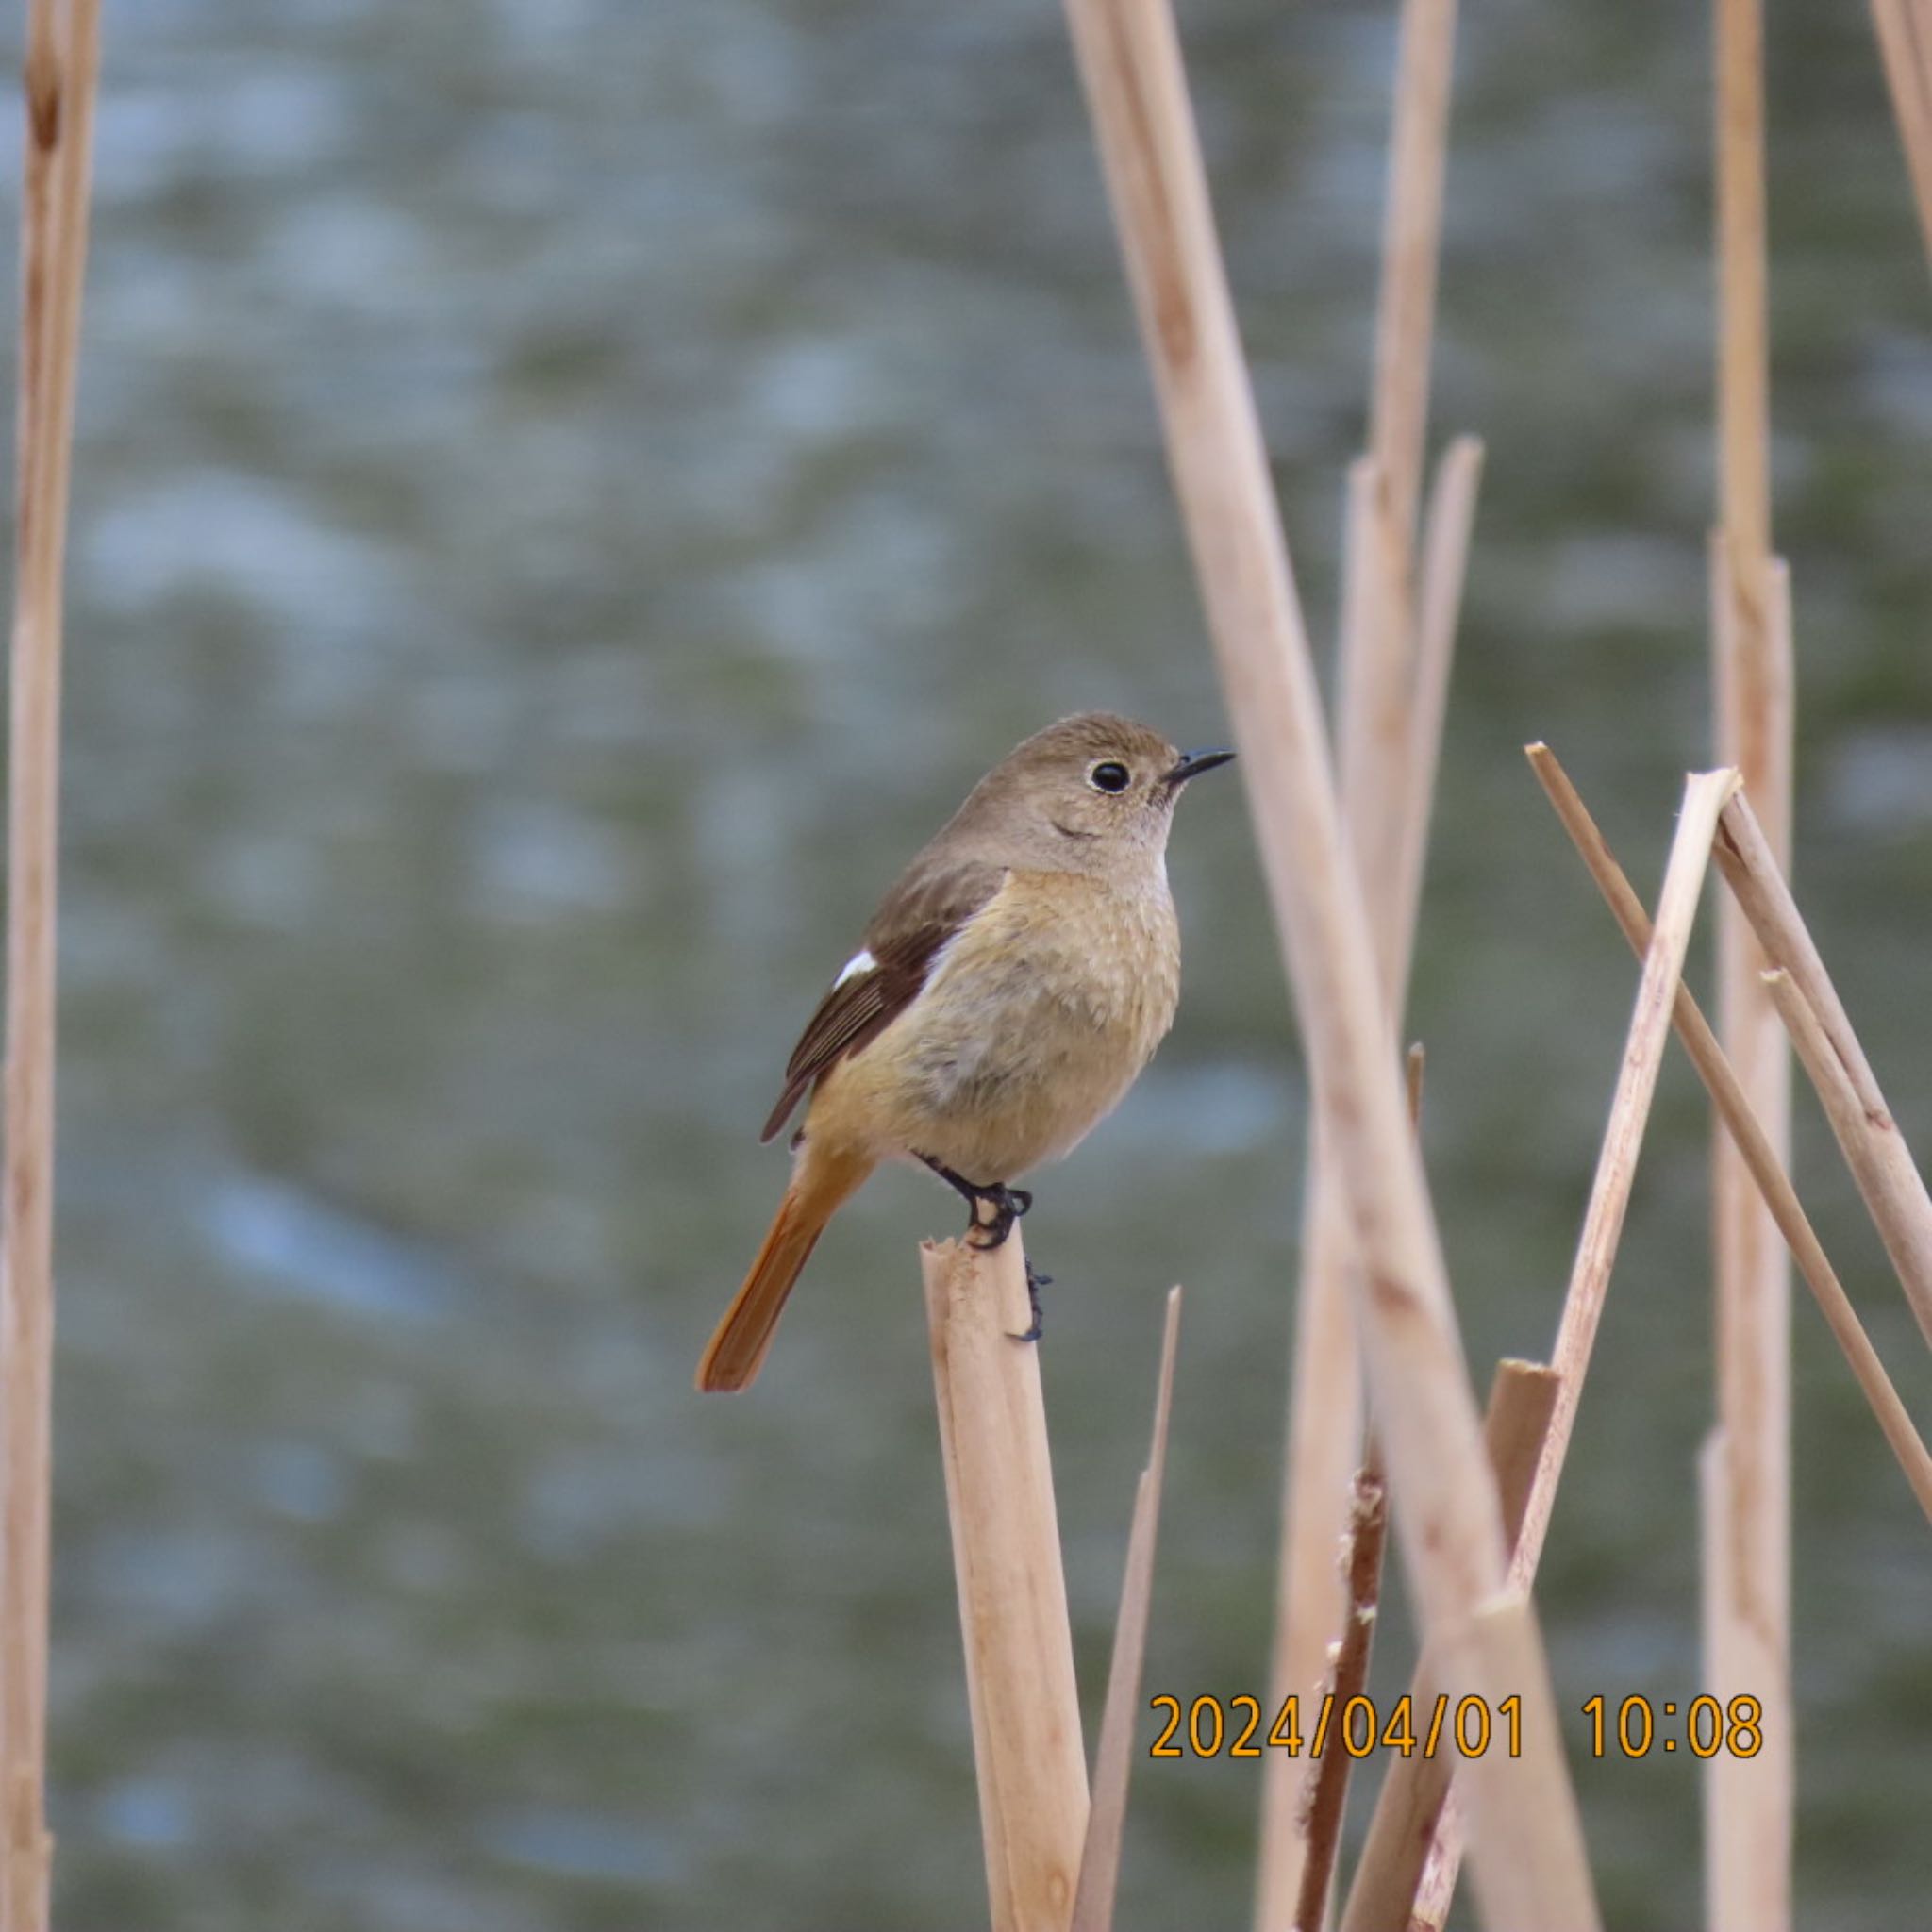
point(1238, 1727)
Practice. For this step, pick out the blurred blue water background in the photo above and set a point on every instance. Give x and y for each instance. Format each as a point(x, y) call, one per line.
point(568, 493)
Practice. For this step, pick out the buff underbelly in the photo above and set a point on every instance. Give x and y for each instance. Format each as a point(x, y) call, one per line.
point(992, 1097)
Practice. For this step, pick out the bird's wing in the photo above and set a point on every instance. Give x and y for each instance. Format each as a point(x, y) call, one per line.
point(914, 921)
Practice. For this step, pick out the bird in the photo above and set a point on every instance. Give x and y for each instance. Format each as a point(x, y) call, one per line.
point(1006, 993)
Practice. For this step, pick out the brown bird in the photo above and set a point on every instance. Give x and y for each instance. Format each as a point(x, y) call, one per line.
point(1009, 989)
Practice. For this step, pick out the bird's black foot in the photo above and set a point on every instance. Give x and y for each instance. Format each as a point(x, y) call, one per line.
point(1035, 1282)
point(1004, 1204)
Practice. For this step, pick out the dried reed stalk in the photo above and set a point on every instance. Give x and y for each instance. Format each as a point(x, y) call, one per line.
point(1324, 1406)
point(1327, 1792)
point(1324, 1412)
point(1905, 38)
point(1531, 1867)
point(1749, 1801)
point(1394, 1863)
point(1376, 678)
point(1326, 1800)
point(1705, 795)
point(1760, 1157)
point(1325, 1391)
point(1873, 1149)
point(1522, 1396)
point(62, 55)
point(1719, 1584)
point(1748, 1848)
point(1411, 250)
point(1446, 534)
point(1013, 1591)
point(1743, 365)
point(1826, 1072)
point(1100, 1860)
point(1395, 667)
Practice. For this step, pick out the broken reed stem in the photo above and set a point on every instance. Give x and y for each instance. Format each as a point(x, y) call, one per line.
point(1375, 679)
point(1531, 1866)
point(1734, 1109)
point(1020, 1684)
point(1743, 370)
point(1523, 1398)
point(1327, 1795)
point(1326, 1799)
point(1100, 1860)
point(1616, 1169)
point(1411, 250)
point(1446, 534)
point(1836, 1089)
point(1905, 39)
point(1749, 1802)
point(1718, 1587)
point(1873, 1149)
point(1323, 1423)
point(1523, 1395)
point(1396, 646)
point(1609, 1195)
point(1324, 1390)
point(1324, 1403)
point(61, 60)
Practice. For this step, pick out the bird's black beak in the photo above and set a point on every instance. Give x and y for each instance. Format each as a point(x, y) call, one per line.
point(1192, 764)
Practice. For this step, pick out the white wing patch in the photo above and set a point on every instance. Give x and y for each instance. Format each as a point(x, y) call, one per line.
point(862, 961)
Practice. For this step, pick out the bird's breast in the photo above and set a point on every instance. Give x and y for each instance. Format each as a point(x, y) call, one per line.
point(1036, 1021)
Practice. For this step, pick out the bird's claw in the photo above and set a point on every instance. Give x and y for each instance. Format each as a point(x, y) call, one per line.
point(1035, 1282)
point(1008, 1205)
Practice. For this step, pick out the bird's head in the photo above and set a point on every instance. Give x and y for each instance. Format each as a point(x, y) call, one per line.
point(1086, 793)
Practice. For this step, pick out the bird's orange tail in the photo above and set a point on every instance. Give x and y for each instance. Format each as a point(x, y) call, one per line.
point(736, 1351)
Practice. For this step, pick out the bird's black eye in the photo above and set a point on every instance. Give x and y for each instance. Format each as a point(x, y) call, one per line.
point(1109, 776)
